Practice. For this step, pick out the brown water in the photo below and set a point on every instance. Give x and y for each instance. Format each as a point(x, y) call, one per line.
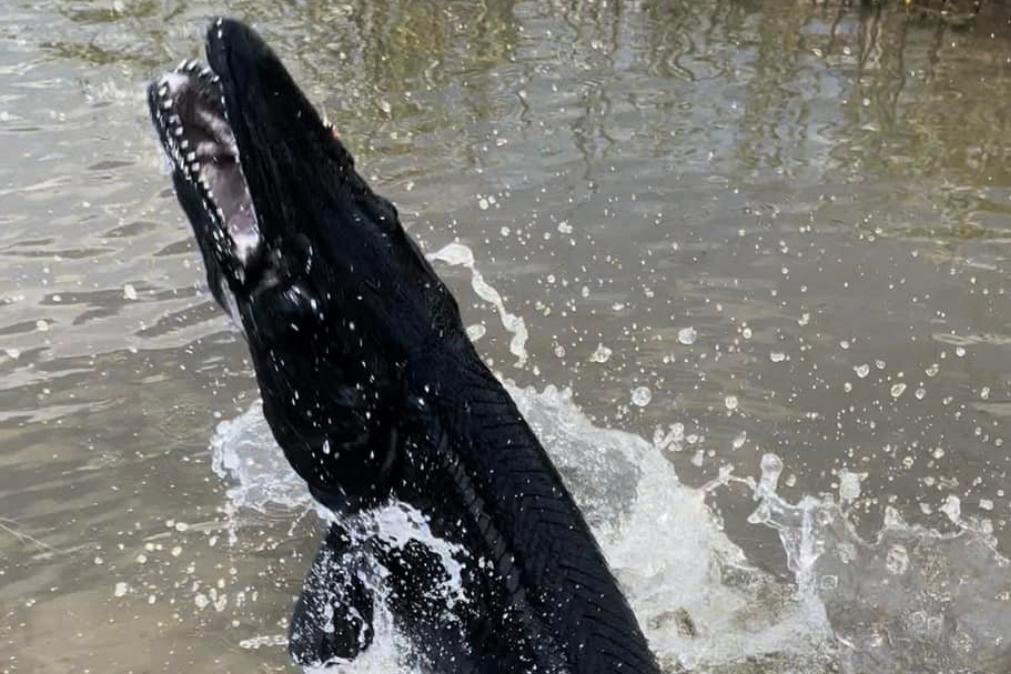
point(789, 226)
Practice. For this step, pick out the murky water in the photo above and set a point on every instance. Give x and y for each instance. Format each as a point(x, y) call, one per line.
point(753, 240)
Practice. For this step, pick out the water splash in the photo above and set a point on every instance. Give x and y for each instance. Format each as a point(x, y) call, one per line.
point(694, 594)
point(244, 452)
point(702, 606)
point(910, 600)
point(460, 255)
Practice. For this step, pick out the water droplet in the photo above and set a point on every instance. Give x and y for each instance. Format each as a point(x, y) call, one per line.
point(641, 396)
point(952, 508)
point(862, 370)
point(849, 485)
point(601, 355)
point(687, 336)
point(730, 402)
point(772, 468)
point(898, 389)
point(129, 292)
point(777, 356)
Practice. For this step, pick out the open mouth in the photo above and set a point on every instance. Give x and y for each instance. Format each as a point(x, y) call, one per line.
point(188, 109)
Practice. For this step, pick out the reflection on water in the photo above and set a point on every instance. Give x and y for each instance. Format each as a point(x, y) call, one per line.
point(820, 192)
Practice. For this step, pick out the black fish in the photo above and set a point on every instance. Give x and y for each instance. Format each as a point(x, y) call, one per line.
point(374, 392)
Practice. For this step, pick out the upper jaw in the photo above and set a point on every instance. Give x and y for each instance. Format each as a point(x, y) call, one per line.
point(188, 110)
point(247, 147)
point(172, 96)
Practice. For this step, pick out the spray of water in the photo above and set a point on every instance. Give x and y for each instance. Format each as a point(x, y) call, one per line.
point(910, 600)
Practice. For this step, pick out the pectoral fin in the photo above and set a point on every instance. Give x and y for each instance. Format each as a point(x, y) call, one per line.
point(333, 616)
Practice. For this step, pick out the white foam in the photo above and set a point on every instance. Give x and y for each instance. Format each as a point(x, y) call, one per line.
point(243, 451)
point(398, 524)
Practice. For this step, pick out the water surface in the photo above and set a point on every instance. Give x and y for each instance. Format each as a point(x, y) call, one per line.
point(749, 238)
